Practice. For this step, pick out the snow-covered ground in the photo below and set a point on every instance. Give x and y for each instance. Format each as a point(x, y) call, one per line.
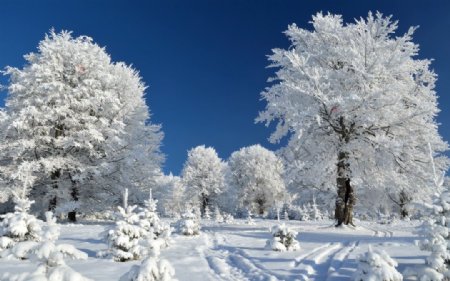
point(237, 251)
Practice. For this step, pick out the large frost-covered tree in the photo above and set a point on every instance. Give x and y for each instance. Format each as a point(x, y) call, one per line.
point(256, 174)
point(76, 124)
point(203, 176)
point(169, 190)
point(358, 107)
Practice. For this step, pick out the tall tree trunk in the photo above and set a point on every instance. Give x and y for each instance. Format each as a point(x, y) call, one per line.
point(261, 202)
point(54, 177)
point(72, 215)
point(205, 202)
point(346, 198)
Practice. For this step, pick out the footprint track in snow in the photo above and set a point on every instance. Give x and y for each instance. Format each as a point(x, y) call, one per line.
point(339, 258)
point(315, 263)
point(234, 265)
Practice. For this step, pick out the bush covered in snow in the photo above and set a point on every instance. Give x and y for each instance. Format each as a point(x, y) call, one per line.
point(436, 241)
point(228, 218)
point(207, 214)
point(49, 256)
point(377, 265)
point(250, 220)
point(42, 250)
point(136, 235)
point(283, 239)
point(151, 269)
point(123, 240)
point(436, 238)
point(150, 222)
point(19, 226)
point(218, 215)
point(188, 224)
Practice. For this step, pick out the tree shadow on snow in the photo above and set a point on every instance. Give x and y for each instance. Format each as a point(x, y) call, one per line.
point(88, 240)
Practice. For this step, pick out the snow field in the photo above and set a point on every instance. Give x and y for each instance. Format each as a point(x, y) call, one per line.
point(237, 251)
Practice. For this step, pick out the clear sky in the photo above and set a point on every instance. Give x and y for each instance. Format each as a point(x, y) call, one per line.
point(205, 61)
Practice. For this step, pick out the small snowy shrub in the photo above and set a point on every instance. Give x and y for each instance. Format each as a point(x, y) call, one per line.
point(217, 215)
point(151, 269)
point(436, 238)
point(228, 218)
point(41, 251)
point(250, 220)
point(207, 214)
point(283, 239)
point(49, 256)
point(314, 212)
point(377, 265)
point(188, 224)
point(150, 222)
point(20, 225)
point(123, 240)
point(51, 230)
point(305, 212)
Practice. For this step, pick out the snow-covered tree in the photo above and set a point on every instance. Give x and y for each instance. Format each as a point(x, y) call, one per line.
point(125, 239)
point(249, 220)
point(228, 218)
point(286, 215)
point(358, 107)
point(377, 265)
point(436, 239)
point(149, 220)
point(218, 215)
point(151, 269)
point(203, 176)
point(305, 213)
point(19, 226)
point(283, 239)
point(49, 256)
point(207, 214)
point(189, 224)
point(315, 212)
point(79, 123)
point(170, 194)
point(257, 175)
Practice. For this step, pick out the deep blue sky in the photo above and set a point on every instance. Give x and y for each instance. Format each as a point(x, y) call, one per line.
point(205, 61)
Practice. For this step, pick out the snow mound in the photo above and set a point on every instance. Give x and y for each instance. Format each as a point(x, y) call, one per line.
point(151, 269)
point(377, 265)
point(42, 273)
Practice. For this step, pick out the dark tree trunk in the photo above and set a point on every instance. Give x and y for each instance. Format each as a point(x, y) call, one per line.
point(405, 199)
point(72, 216)
point(402, 202)
point(346, 198)
point(54, 177)
point(260, 203)
point(205, 202)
